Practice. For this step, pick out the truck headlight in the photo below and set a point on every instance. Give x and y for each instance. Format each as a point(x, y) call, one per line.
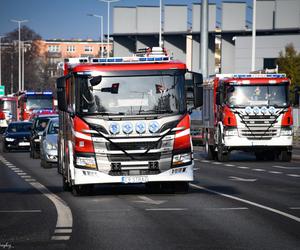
point(9, 139)
point(288, 131)
point(231, 132)
point(181, 159)
point(87, 162)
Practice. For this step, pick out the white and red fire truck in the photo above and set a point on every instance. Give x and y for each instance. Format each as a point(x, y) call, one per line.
point(124, 120)
point(249, 112)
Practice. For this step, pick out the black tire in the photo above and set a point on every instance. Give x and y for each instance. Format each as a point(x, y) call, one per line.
point(4, 149)
point(222, 156)
point(259, 156)
point(286, 156)
point(80, 190)
point(66, 185)
point(35, 155)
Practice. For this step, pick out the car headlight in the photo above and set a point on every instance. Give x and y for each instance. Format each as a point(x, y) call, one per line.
point(9, 139)
point(181, 159)
point(50, 146)
point(88, 162)
point(286, 131)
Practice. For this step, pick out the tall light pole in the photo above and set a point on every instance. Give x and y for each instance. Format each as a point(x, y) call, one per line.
point(23, 67)
point(108, 19)
point(0, 60)
point(19, 22)
point(253, 35)
point(160, 24)
point(101, 30)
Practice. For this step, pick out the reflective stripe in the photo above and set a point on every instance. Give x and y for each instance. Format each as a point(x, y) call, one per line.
point(82, 136)
point(183, 133)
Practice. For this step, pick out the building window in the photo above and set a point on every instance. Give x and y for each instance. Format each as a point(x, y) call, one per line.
point(88, 49)
point(71, 48)
point(53, 48)
point(270, 63)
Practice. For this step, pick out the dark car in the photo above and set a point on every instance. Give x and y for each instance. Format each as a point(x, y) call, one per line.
point(16, 136)
point(39, 124)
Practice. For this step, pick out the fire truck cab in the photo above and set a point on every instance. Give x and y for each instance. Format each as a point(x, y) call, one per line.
point(124, 120)
point(249, 112)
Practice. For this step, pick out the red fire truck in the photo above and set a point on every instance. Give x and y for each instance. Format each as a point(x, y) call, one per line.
point(32, 103)
point(125, 120)
point(8, 111)
point(249, 112)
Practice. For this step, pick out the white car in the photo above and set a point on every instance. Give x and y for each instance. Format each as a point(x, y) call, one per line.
point(48, 145)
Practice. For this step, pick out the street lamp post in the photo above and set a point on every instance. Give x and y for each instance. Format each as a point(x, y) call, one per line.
point(160, 24)
point(19, 22)
point(101, 30)
point(0, 61)
point(253, 36)
point(23, 65)
point(108, 5)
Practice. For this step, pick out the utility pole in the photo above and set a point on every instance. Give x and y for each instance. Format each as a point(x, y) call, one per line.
point(1, 60)
point(160, 24)
point(101, 30)
point(253, 36)
point(108, 20)
point(204, 38)
point(19, 23)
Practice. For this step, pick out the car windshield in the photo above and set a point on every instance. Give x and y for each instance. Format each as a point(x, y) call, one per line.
point(41, 123)
point(39, 103)
point(134, 95)
point(53, 127)
point(257, 95)
point(19, 127)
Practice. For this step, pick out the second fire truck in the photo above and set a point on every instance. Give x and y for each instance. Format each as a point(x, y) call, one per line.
point(249, 112)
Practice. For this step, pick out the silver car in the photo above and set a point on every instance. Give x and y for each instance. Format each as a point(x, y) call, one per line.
point(48, 146)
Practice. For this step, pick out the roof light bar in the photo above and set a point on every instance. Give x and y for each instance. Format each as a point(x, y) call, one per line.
point(134, 59)
point(251, 75)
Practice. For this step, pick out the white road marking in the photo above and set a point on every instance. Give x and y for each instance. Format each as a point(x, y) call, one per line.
point(229, 208)
point(60, 237)
point(205, 161)
point(274, 172)
point(25, 176)
point(286, 167)
point(217, 163)
point(64, 213)
point(147, 200)
point(166, 209)
point(243, 167)
point(20, 211)
point(295, 208)
point(258, 170)
point(234, 178)
point(63, 230)
point(292, 217)
point(293, 175)
point(229, 165)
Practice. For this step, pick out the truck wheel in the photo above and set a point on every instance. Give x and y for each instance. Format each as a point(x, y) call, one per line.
point(66, 184)
point(222, 156)
point(79, 190)
point(259, 156)
point(286, 156)
point(209, 151)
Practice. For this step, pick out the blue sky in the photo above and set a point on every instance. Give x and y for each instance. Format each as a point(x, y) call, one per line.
point(67, 19)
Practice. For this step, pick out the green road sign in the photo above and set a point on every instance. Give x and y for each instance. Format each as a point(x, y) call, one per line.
point(2, 90)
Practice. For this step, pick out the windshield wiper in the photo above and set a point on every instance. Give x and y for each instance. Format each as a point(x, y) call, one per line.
point(103, 113)
point(154, 112)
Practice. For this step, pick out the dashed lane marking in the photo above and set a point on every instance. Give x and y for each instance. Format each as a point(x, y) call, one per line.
point(64, 213)
point(243, 167)
point(229, 165)
point(217, 163)
point(283, 167)
point(274, 172)
point(293, 175)
point(259, 170)
point(292, 217)
point(166, 209)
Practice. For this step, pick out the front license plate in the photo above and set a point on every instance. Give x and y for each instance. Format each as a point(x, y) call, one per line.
point(24, 143)
point(135, 179)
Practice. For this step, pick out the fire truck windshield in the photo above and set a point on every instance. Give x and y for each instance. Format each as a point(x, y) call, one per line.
point(133, 95)
point(39, 103)
point(257, 95)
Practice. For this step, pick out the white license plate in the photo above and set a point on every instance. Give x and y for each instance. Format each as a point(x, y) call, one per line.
point(135, 179)
point(24, 143)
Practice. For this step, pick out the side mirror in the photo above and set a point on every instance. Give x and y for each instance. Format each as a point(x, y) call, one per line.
point(61, 94)
point(95, 80)
point(198, 89)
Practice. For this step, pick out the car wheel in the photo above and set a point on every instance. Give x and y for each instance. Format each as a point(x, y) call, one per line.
point(4, 149)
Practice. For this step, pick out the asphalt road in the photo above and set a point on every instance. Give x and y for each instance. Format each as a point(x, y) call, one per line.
point(240, 204)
